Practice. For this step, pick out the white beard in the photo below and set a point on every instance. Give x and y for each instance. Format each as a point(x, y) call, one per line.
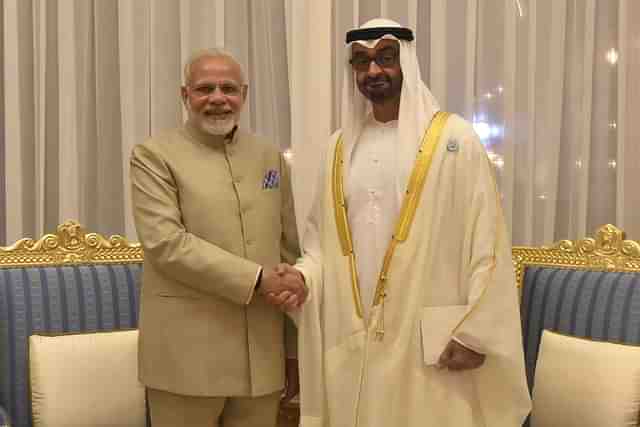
point(217, 127)
point(211, 126)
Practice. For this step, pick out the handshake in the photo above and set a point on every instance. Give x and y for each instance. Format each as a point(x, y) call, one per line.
point(283, 287)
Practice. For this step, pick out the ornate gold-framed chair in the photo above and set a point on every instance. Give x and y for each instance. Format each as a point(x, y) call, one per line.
point(588, 289)
point(69, 282)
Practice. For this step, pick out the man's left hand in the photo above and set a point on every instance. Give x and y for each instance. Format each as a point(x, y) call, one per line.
point(287, 300)
point(292, 380)
point(457, 357)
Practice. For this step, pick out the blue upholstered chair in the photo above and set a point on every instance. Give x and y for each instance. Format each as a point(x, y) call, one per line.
point(588, 288)
point(71, 281)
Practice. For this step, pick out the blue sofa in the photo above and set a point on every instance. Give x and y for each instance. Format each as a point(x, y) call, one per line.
point(74, 281)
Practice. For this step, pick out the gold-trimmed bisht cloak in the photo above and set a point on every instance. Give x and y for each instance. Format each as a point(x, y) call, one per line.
point(451, 278)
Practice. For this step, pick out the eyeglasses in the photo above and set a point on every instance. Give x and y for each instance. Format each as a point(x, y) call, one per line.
point(229, 89)
point(384, 59)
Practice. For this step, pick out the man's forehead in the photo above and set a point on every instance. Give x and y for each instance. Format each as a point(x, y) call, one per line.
point(216, 67)
point(382, 44)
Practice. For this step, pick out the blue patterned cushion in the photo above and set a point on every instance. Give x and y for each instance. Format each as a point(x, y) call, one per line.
point(80, 298)
point(591, 304)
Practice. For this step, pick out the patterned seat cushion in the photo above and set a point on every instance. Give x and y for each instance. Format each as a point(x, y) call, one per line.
point(591, 304)
point(82, 298)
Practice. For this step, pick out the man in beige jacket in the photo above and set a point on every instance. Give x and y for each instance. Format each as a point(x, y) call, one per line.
point(214, 212)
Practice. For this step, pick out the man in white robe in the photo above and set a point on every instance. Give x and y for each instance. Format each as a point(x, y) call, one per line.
point(413, 317)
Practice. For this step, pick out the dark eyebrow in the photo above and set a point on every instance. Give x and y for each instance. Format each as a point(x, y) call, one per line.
point(388, 49)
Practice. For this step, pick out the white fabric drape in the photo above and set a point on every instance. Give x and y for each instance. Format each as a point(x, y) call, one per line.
point(311, 75)
point(552, 86)
point(85, 80)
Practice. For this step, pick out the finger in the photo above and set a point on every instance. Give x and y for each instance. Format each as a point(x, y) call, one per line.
point(292, 299)
point(294, 287)
point(284, 296)
point(293, 277)
point(271, 296)
point(273, 299)
point(278, 299)
point(291, 303)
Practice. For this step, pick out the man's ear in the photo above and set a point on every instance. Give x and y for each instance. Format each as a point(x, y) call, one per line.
point(183, 95)
point(245, 91)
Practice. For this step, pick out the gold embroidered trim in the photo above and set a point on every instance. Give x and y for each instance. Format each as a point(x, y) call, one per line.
point(340, 208)
point(407, 213)
point(419, 175)
point(354, 285)
point(342, 223)
point(412, 197)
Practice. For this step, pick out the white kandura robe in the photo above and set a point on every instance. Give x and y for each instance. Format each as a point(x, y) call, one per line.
point(373, 201)
point(457, 254)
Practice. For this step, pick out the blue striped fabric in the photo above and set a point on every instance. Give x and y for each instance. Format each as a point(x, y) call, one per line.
point(81, 298)
point(590, 304)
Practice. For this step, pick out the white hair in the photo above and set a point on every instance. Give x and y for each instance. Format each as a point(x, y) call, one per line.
point(210, 53)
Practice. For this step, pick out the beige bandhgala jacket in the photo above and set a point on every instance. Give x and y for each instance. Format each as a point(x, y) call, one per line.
point(209, 214)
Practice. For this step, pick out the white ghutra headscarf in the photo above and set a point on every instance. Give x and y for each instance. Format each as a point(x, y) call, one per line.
point(417, 104)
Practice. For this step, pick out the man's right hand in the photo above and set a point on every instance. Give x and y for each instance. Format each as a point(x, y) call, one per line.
point(283, 287)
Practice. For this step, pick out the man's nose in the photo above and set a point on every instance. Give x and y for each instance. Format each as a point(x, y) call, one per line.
point(217, 97)
point(374, 68)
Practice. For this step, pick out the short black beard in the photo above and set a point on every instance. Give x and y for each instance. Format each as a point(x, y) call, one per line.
point(378, 99)
point(381, 97)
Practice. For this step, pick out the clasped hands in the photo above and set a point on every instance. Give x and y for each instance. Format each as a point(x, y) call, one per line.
point(283, 287)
